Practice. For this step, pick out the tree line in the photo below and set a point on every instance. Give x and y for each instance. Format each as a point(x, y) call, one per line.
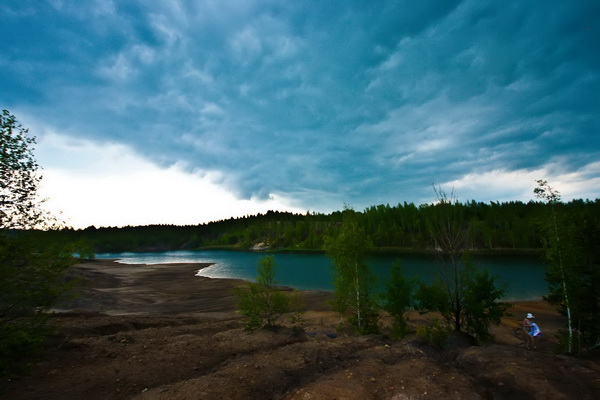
point(496, 226)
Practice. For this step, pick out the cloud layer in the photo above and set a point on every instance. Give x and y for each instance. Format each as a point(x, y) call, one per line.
point(321, 103)
point(110, 185)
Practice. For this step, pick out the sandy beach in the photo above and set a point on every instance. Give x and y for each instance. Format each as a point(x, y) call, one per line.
point(159, 332)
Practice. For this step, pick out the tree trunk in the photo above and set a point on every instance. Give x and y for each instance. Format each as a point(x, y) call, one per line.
point(564, 285)
point(357, 287)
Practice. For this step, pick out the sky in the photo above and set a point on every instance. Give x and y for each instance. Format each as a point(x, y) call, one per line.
point(185, 112)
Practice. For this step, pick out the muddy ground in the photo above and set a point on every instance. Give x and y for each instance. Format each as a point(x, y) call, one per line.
point(157, 332)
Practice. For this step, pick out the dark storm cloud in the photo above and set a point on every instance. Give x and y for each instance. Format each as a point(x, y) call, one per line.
point(328, 102)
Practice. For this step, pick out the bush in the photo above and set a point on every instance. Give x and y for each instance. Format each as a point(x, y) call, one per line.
point(397, 299)
point(561, 346)
point(369, 318)
point(481, 306)
point(262, 302)
point(32, 280)
point(18, 339)
point(479, 300)
point(436, 333)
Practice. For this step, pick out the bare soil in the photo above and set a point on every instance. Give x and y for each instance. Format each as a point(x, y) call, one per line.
point(157, 332)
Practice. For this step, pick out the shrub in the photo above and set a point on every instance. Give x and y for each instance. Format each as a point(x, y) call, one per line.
point(436, 333)
point(397, 299)
point(32, 280)
point(479, 300)
point(262, 302)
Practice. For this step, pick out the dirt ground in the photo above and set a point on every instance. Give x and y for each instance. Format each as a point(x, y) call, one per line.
point(157, 332)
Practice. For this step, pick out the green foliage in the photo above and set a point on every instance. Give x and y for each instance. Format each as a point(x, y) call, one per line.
point(434, 297)
point(496, 227)
point(571, 248)
point(19, 205)
point(19, 339)
point(297, 307)
point(449, 228)
point(262, 302)
point(479, 299)
point(84, 249)
point(297, 317)
point(482, 307)
point(436, 333)
point(464, 296)
point(560, 274)
point(567, 344)
point(398, 299)
point(32, 268)
point(367, 321)
point(32, 277)
point(352, 277)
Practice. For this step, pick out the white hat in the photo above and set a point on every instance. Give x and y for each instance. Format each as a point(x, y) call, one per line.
point(530, 315)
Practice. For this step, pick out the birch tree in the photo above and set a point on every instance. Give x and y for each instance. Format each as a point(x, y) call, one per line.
point(352, 277)
point(555, 251)
point(262, 302)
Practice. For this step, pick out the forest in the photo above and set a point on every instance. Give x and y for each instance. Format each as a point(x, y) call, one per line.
point(508, 227)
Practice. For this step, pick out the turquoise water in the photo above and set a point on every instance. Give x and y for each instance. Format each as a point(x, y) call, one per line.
point(523, 275)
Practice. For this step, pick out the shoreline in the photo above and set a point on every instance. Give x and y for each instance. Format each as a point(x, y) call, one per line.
point(115, 261)
point(500, 251)
point(117, 288)
point(113, 266)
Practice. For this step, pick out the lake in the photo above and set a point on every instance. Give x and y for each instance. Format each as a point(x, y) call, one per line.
point(523, 275)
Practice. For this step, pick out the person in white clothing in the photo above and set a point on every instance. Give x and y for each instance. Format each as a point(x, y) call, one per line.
point(531, 330)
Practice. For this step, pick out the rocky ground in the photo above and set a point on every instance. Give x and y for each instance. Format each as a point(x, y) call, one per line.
point(158, 332)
